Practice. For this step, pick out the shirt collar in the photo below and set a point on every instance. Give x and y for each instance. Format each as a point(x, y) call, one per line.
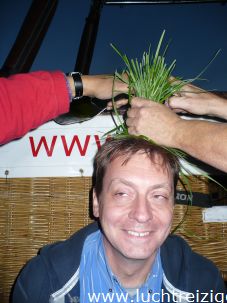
point(152, 278)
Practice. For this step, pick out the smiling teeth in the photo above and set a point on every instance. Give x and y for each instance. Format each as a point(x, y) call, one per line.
point(136, 234)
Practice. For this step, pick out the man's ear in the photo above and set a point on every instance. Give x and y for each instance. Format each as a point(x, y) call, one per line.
point(95, 205)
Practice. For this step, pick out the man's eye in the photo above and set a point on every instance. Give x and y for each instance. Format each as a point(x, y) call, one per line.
point(121, 194)
point(160, 197)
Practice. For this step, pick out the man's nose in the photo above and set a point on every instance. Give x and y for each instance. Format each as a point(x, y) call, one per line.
point(141, 210)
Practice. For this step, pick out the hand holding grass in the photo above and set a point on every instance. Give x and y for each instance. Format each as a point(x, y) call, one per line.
point(154, 121)
point(203, 140)
point(196, 101)
point(151, 80)
point(101, 86)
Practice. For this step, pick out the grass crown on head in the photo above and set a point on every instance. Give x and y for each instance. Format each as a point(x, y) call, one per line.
point(151, 78)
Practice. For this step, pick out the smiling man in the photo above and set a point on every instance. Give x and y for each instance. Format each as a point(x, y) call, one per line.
point(129, 256)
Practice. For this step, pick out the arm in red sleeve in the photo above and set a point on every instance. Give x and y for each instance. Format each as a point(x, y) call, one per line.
point(29, 100)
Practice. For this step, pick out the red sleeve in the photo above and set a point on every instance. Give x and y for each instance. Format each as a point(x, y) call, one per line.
point(29, 100)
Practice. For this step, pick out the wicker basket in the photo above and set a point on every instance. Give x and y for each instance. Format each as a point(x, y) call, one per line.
point(37, 211)
point(34, 212)
point(208, 239)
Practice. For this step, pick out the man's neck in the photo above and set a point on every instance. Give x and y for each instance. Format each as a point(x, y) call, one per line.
point(131, 273)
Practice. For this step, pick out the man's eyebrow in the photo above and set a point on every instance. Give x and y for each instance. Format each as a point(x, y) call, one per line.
point(126, 182)
point(161, 185)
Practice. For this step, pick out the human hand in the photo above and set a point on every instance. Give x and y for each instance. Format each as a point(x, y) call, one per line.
point(194, 100)
point(152, 120)
point(101, 86)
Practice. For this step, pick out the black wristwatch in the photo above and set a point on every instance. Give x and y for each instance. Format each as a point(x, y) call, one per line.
point(78, 84)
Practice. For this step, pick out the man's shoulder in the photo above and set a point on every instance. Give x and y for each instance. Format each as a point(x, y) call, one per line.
point(62, 251)
point(178, 249)
point(60, 260)
point(180, 262)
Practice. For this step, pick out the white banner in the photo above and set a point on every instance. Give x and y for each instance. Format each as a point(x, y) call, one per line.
point(53, 150)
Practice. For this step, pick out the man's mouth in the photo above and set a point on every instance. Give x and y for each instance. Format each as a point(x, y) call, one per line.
point(138, 234)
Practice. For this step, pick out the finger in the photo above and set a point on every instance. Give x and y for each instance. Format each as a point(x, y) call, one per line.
point(109, 106)
point(167, 104)
point(179, 110)
point(118, 103)
point(132, 130)
point(129, 122)
point(187, 88)
point(175, 102)
point(191, 89)
point(140, 102)
point(132, 112)
point(180, 104)
point(121, 102)
point(174, 80)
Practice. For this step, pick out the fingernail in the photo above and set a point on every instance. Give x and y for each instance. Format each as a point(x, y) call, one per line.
point(167, 103)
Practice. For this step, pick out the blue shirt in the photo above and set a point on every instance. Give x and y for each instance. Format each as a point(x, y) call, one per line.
point(99, 284)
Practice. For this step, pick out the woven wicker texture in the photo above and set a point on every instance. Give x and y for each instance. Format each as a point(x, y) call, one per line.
point(37, 211)
point(208, 239)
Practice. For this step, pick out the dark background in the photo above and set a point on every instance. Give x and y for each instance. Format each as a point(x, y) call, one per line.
point(196, 32)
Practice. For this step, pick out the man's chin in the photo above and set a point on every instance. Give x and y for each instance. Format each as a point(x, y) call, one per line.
point(139, 255)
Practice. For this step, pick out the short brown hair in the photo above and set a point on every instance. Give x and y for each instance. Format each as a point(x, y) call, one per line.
point(128, 146)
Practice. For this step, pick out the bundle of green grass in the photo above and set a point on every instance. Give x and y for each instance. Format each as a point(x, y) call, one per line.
point(151, 78)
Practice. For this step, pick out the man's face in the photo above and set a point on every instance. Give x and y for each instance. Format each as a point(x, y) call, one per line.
point(135, 207)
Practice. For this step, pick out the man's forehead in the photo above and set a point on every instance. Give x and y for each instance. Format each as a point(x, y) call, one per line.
point(156, 160)
point(138, 164)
